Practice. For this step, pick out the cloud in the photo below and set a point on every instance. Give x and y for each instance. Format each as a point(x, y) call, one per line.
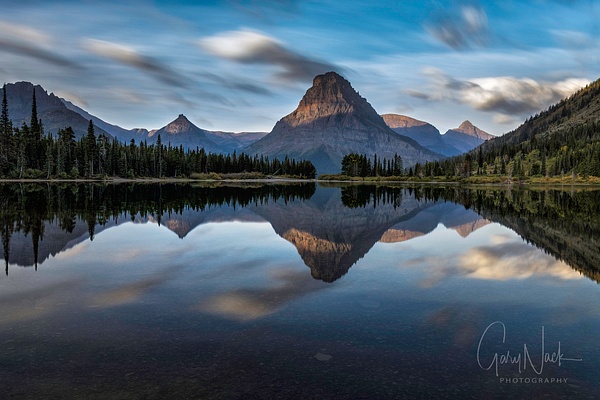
point(460, 27)
point(572, 39)
point(72, 98)
point(514, 96)
point(237, 83)
point(26, 304)
point(250, 304)
point(267, 10)
point(505, 95)
point(24, 33)
point(131, 292)
point(504, 119)
point(131, 57)
point(248, 47)
point(513, 261)
point(29, 42)
point(505, 259)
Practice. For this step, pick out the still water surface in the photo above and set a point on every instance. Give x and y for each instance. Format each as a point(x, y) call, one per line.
point(298, 291)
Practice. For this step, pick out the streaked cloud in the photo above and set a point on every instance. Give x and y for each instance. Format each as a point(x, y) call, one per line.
point(249, 47)
point(507, 96)
point(133, 291)
point(129, 56)
point(513, 261)
point(460, 27)
point(22, 32)
point(72, 97)
point(572, 39)
point(503, 119)
point(37, 301)
point(25, 41)
point(505, 259)
point(250, 304)
point(237, 83)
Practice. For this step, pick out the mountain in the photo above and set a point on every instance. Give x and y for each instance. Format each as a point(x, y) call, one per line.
point(422, 132)
point(331, 237)
point(333, 120)
point(466, 137)
point(54, 114)
point(451, 215)
point(188, 135)
point(182, 132)
point(467, 128)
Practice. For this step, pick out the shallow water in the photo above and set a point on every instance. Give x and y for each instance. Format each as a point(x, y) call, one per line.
point(298, 292)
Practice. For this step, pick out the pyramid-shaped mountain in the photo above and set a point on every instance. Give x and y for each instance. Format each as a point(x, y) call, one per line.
point(469, 129)
point(333, 120)
point(182, 132)
point(466, 137)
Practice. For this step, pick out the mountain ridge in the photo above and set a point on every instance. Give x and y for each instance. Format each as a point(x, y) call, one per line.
point(220, 141)
point(454, 142)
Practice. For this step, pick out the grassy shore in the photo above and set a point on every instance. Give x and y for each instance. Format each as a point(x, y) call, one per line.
point(210, 177)
point(473, 180)
point(332, 178)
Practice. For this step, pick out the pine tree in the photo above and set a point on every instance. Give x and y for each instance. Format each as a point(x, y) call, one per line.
point(49, 156)
point(34, 124)
point(34, 139)
point(89, 150)
point(5, 134)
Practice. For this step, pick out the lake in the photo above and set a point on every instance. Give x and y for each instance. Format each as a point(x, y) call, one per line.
point(320, 291)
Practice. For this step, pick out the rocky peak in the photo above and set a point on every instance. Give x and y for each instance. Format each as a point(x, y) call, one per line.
point(20, 95)
point(179, 126)
point(402, 121)
point(469, 129)
point(330, 95)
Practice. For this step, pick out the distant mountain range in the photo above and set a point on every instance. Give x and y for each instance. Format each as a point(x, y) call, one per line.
point(182, 132)
point(331, 121)
point(453, 142)
point(57, 113)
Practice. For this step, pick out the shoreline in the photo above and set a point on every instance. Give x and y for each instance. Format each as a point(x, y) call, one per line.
point(117, 180)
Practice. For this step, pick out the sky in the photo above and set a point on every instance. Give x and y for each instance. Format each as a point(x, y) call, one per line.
point(242, 65)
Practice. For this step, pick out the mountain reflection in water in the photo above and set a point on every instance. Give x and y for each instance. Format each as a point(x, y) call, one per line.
point(203, 291)
point(332, 227)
